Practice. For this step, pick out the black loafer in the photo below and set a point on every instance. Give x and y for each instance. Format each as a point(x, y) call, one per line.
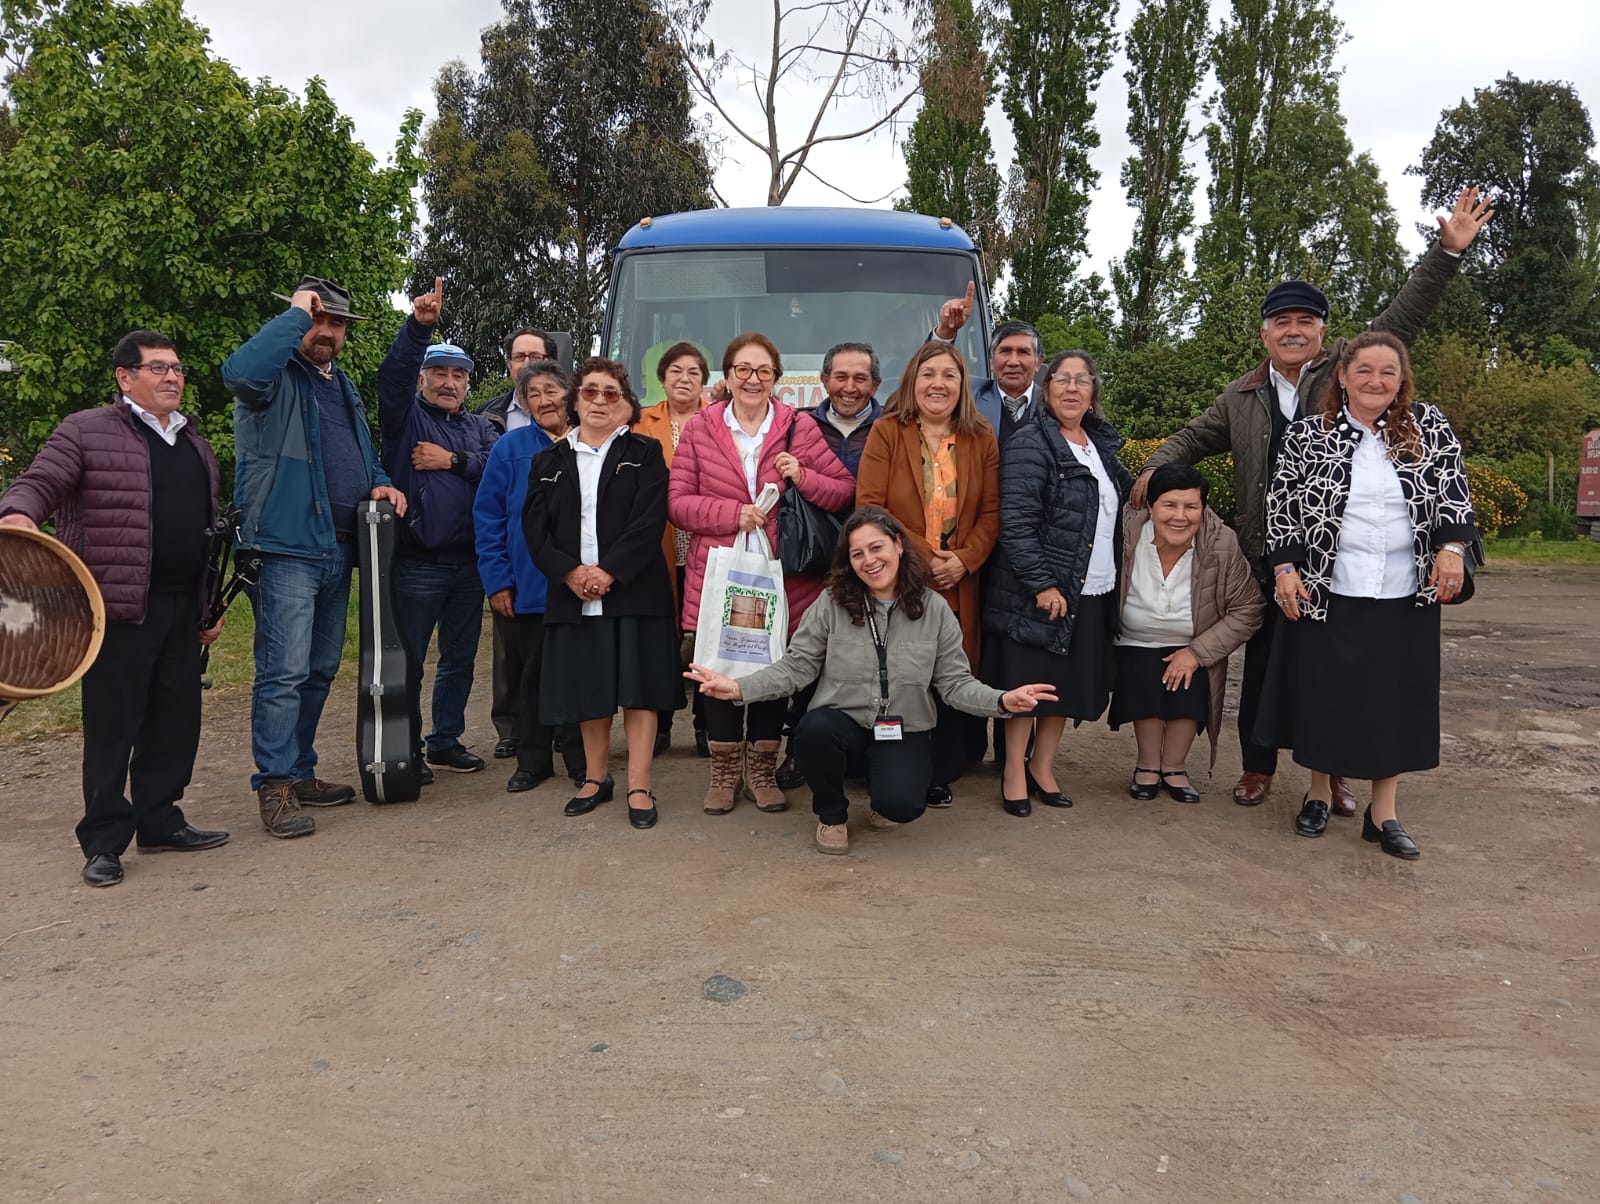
point(1178, 794)
point(184, 840)
point(1020, 807)
point(457, 759)
point(702, 743)
point(1144, 791)
point(1050, 798)
point(642, 817)
point(424, 773)
point(103, 869)
point(789, 777)
point(663, 741)
point(1392, 836)
point(525, 779)
point(938, 796)
point(1313, 817)
point(582, 806)
point(505, 749)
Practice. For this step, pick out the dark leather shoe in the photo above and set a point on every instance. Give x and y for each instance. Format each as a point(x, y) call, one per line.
point(525, 779)
point(642, 817)
point(663, 741)
point(1313, 817)
point(938, 796)
point(1050, 798)
point(1144, 791)
point(457, 759)
point(702, 743)
point(1251, 788)
point(788, 774)
point(582, 806)
point(505, 749)
point(1178, 794)
point(424, 773)
point(314, 792)
point(1020, 807)
point(1344, 799)
point(184, 840)
point(1394, 840)
point(103, 869)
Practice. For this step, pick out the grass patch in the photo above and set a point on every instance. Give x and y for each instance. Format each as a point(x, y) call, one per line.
point(1543, 551)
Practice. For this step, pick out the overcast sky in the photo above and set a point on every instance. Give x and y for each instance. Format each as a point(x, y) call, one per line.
point(1405, 62)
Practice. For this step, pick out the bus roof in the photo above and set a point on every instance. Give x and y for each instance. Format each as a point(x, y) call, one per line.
point(796, 226)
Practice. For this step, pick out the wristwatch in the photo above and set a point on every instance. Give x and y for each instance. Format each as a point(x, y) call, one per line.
point(1000, 708)
point(456, 461)
point(1460, 549)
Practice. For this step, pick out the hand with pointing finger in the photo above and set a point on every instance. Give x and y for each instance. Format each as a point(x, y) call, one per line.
point(953, 314)
point(426, 307)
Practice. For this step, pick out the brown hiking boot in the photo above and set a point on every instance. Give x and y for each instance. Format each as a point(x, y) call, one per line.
point(314, 792)
point(280, 809)
point(727, 766)
point(760, 776)
point(833, 838)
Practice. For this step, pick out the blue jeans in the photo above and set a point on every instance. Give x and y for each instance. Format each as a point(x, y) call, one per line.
point(300, 605)
point(447, 595)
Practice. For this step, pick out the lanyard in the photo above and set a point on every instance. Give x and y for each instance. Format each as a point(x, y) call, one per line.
point(880, 641)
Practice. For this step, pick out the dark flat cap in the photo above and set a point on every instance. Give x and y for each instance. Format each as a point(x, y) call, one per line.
point(1295, 294)
point(335, 299)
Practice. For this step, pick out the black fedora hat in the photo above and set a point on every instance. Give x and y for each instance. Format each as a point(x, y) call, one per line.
point(335, 300)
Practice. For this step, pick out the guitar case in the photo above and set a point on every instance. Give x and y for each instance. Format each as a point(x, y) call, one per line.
point(386, 747)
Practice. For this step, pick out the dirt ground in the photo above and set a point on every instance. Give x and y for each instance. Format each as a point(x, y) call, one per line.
point(473, 998)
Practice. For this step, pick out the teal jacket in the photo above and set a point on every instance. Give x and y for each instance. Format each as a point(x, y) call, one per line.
point(278, 481)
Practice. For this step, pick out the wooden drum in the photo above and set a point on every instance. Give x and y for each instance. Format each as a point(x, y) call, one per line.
point(52, 617)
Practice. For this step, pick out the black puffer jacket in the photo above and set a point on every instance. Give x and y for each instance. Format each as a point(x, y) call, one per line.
point(1048, 506)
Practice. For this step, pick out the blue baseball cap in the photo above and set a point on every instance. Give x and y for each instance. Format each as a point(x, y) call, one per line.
point(1295, 294)
point(446, 355)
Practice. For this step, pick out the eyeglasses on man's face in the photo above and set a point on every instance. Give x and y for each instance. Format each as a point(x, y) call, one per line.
point(746, 371)
point(610, 394)
point(161, 368)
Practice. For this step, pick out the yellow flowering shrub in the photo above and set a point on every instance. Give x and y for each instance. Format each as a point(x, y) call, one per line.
point(1498, 501)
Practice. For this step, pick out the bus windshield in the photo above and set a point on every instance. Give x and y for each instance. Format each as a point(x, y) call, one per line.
point(805, 300)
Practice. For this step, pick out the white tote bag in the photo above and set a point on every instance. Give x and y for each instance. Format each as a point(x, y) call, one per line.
point(744, 614)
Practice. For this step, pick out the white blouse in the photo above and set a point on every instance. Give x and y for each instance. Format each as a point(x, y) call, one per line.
point(1375, 557)
point(590, 461)
point(749, 446)
point(1102, 575)
point(1159, 611)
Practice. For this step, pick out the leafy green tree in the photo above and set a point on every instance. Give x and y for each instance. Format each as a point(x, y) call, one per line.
point(1536, 267)
point(578, 125)
point(1166, 55)
point(949, 160)
point(150, 185)
point(1052, 56)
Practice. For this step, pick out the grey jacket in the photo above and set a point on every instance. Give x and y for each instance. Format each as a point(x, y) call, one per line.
point(924, 655)
point(1240, 419)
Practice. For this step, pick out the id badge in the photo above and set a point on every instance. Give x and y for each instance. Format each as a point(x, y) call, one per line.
point(887, 727)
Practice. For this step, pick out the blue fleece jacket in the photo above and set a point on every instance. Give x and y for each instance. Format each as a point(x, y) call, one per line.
point(503, 558)
point(439, 500)
point(279, 484)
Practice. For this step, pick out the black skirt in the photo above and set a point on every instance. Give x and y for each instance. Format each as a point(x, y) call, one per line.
point(593, 668)
point(1358, 694)
point(1082, 677)
point(1140, 693)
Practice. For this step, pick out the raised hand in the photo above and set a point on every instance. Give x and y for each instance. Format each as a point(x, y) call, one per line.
point(1472, 213)
point(426, 307)
point(953, 314)
point(308, 300)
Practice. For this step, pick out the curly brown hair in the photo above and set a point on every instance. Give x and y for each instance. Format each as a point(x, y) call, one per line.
point(847, 589)
point(1399, 424)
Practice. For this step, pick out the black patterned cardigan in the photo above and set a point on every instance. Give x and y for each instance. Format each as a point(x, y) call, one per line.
point(1311, 484)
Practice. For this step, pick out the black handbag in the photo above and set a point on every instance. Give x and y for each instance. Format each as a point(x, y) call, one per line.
point(807, 534)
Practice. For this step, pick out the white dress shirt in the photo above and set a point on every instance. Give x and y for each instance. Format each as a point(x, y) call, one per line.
point(590, 461)
point(1288, 392)
point(169, 434)
point(748, 446)
point(1102, 575)
point(1375, 557)
point(1159, 612)
point(516, 416)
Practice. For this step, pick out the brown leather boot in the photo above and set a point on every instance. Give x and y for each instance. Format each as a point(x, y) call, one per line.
point(727, 767)
point(280, 810)
point(760, 776)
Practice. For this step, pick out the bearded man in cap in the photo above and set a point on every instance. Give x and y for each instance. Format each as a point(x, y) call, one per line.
point(303, 461)
point(1249, 417)
point(435, 450)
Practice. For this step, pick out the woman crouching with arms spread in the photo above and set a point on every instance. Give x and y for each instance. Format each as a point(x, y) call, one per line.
point(882, 642)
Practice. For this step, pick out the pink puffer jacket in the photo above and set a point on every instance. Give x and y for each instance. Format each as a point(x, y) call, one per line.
point(708, 486)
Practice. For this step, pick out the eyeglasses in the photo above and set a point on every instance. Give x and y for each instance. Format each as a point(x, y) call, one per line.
point(610, 395)
point(160, 369)
point(1082, 381)
point(746, 371)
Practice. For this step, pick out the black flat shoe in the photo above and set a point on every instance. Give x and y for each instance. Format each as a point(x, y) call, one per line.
point(582, 806)
point(1313, 817)
point(184, 840)
point(505, 749)
point(1178, 794)
point(938, 796)
point(642, 817)
point(1050, 798)
point(1020, 807)
point(103, 869)
point(788, 775)
point(663, 741)
point(525, 779)
point(702, 743)
point(1394, 840)
point(1144, 791)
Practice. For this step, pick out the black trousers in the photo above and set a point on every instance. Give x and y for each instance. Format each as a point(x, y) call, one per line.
point(799, 704)
point(141, 726)
point(727, 723)
point(958, 741)
point(503, 700)
point(829, 747)
point(522, 638)
point(1257, 757)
